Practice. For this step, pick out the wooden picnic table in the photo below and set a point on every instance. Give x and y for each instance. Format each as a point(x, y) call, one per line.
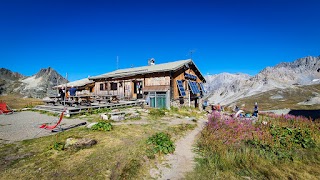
point(107, 98)
point(85, 98)
point(52, 100)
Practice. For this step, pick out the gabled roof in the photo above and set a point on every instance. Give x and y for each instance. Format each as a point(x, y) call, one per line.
point(78, 83)
point(171, 66)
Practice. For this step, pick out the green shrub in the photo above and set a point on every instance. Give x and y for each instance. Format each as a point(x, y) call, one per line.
point(59, 146)
point(160, 143)
point(102, 126)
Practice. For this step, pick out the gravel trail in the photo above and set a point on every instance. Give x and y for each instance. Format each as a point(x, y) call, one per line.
point(182, 160)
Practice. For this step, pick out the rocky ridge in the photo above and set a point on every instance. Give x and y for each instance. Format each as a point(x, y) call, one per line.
point(36, 86)
point(303, 71)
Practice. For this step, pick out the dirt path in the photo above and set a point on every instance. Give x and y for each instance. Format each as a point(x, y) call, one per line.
point(176, 165)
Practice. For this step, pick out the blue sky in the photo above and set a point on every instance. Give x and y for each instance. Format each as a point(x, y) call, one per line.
point(84, 38)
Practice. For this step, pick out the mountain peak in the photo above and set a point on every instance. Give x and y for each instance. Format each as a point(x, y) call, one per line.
point(46, 71)
point(7, 74)
point(38, 85)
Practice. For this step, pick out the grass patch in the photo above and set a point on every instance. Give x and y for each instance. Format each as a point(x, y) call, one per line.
point(155, 113)
point(186, 111)
point(16, 101)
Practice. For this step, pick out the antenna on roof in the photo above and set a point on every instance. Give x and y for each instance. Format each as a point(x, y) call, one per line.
point(191, 52)
point(117, 62)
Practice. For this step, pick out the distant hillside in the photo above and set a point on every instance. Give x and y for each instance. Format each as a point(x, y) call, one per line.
point(36, 86)
point(303, 71)
point(298, 97)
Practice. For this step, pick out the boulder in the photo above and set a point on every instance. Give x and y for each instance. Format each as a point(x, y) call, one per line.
point(79, 143)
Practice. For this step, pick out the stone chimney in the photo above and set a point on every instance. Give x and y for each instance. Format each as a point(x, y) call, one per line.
point(151, 62)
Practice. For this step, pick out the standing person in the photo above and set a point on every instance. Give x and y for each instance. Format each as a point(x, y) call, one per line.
point(73, 91)
point(236, 109)
point(219, 107)
point(213, 108)
point(62, 94)
point(204, 104)
point(255, 110)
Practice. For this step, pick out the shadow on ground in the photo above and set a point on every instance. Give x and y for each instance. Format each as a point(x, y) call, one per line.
point(313, 114)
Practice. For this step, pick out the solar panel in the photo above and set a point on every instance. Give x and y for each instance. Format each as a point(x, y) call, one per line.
point(181, 88)
point(196, 87)
point(202, 88)
point(190, 76)
point(193, 86)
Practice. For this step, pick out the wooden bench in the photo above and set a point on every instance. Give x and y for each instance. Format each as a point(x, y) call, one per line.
point(103, 100)
point(50, 102)
point(70, 103)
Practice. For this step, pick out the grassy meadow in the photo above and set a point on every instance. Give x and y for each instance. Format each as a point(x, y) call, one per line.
point(290, 98)
point(16, 101)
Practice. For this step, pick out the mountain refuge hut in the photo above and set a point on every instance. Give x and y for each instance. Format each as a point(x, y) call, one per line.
point(178, 83)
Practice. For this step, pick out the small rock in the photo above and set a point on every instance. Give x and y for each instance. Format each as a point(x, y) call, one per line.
point(191, 119)
point(117, 118)
point(104, 116)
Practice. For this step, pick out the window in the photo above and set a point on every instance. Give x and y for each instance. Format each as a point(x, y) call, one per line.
point(181, 88)
point(106, 86)
point(101, 87)
point(114, 86)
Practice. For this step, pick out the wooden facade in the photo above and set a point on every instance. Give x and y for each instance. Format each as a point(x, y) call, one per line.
point(159, 88)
